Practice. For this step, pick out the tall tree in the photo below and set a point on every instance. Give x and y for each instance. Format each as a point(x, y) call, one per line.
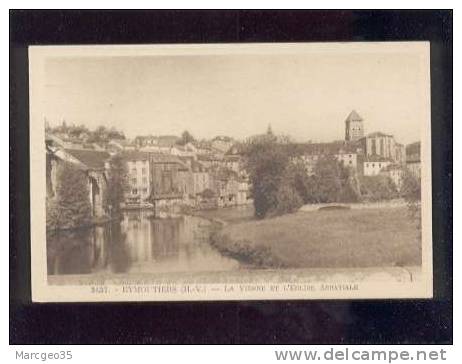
point(117, 184)
point(72, 206)
point(186, 137)
point(267, 163)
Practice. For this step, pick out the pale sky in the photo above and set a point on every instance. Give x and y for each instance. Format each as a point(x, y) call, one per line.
point(306, 96)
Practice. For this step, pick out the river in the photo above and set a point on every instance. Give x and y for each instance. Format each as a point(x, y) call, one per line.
point(137, 244)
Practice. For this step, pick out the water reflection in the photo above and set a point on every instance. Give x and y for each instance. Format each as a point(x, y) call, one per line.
point(137, 244)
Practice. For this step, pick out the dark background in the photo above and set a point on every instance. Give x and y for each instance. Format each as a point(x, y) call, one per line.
point(269, 322)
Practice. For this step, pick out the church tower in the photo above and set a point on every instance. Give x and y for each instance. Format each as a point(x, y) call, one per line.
point(354, 128)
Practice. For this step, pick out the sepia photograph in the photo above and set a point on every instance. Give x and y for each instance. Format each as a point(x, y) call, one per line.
point(230, 171)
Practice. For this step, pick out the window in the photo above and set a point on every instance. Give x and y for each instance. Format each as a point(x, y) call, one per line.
point(134, 191)
point(373, 165)
point(145, 180)
point(133, 170)
point(133, 181)
point(143, 171)
point(351, 162)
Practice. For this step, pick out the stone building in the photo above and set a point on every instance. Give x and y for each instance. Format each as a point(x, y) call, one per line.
point(413, 159)
point(194, 179)
point(164, 175)
point(396, 173)
point(139, 181)
point(345, 152)
point(94, 165)
point(354, 128)
point(384, 146)
point(164, 141)
point(374, 165)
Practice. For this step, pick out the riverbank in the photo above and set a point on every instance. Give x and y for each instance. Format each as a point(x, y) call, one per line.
point(227, 215)
point(356, 238)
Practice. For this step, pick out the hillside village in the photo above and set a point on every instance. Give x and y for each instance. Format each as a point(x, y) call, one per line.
point(168, 173)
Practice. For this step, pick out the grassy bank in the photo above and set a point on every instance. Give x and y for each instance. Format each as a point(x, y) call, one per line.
point(230, 215)
point(324, 239)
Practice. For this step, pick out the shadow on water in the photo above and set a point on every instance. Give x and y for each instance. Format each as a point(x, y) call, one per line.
point(137, 244)
point(82, 251)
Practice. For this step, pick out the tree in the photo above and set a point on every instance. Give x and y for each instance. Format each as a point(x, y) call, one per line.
point(113, 133)
point(288, 199)
point(378, 188)
point(267, 163)
point(329, 182)
point(72, 207)
point(117, 183)
point(411, 192)
point(186, 137)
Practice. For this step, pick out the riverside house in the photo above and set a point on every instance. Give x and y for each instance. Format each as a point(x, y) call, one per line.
point(139, 181)
point(94, 165)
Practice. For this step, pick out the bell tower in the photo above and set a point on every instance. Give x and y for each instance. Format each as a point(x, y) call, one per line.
point(354, 128)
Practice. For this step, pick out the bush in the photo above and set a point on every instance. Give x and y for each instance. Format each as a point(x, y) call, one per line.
point(377, 188)
point(288, 200)
point(255, 256)
point(411, 192)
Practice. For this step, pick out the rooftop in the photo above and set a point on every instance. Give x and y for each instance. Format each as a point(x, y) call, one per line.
point(326, 148)
point(354, 116)
point(134, 155)
point(160, 140)
point(378, 134)
point(93, 159)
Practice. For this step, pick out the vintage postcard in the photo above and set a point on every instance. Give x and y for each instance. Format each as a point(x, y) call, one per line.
point(230, 172)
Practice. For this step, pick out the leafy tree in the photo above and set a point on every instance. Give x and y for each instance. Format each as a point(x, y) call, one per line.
point(72, 207)
point(328, 178)
point(186, 137)
point(411, 188)
point(267, 163)
point(113, 133)
point(117, 183)
point(411, 192)
point(288, 199)
point(330, 182)
point(378, 188)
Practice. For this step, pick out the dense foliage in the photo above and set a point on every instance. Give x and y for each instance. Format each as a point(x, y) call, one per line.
point(281, 181)
point(186, 137)
point(329, 182)
point(100, 135)
point(411, 192)
point(378, 188)
point(71, 208)
point(266, 165)
point(117, 183)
